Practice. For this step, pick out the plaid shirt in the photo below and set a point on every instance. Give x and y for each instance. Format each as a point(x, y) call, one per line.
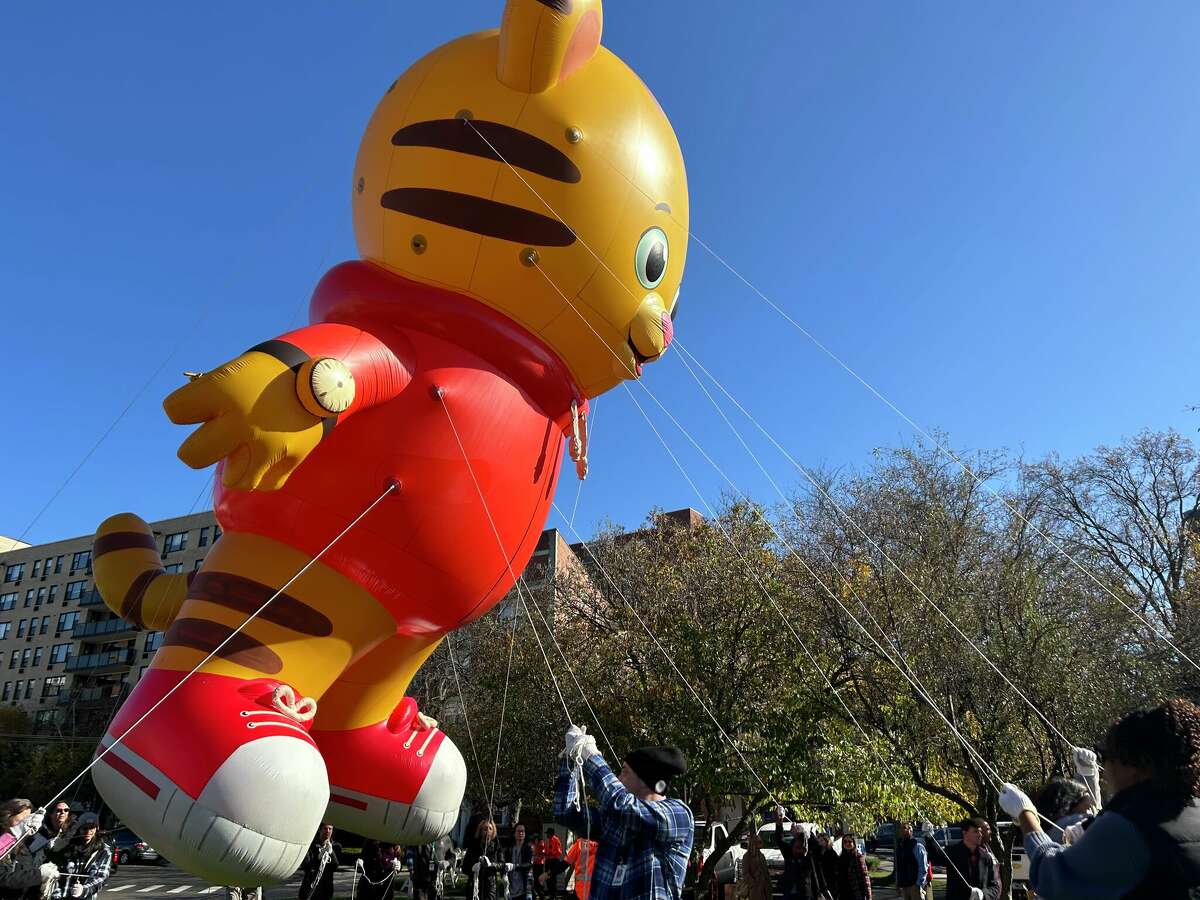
point(91, 869)
point(637, 838)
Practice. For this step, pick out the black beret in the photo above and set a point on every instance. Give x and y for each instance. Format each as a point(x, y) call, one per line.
point(657, 764)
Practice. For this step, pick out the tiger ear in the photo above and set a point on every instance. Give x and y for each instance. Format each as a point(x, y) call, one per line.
point(543, 42)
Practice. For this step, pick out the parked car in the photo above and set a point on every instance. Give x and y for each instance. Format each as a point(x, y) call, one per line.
point(1020, 862)
point(884, 837)
point(129, 848)
point(705, 840)
point(774, 855)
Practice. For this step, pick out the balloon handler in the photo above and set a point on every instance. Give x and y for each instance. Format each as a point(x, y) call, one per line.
point(452, 363)
point(645, 837)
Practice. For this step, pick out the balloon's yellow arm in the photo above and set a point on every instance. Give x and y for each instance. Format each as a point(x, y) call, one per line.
point(264, 411)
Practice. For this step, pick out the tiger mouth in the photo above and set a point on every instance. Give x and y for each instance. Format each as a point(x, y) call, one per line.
point(639, 358)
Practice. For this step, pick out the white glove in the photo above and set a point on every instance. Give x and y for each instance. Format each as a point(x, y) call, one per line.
point(1014, 801)
point(508, 867)
point(48, 871)
point(976, 893)
point(34, 820)
point(780, 812)
point(76, 889)
point(1073, 834)
point(1086, 763)
point(397, 865)
point(579, 745)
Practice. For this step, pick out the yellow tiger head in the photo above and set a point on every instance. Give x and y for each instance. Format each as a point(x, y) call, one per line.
point(531, 169)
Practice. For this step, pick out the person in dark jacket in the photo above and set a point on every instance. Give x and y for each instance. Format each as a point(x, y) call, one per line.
point(1145, 845)
point(323, 858)
point(381, 865)
point(520, 857)
point(912, 865)
point(799, 878)
point(87, 862)
point(853, 882)
point(825, 862)
point(58, 829)
point(425, 866)
point(971, 872)
point(482, 861)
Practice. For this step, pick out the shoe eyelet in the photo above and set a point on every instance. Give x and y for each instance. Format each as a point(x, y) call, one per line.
point(408, 743)
point(251, 724)
point(420, 753)
point(243, 714)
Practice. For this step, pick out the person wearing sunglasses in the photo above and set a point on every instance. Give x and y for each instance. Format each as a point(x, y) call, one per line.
point(58, 828)
point(1145, 845)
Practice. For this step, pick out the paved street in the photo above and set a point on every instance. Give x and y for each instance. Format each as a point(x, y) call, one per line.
point(168, 881)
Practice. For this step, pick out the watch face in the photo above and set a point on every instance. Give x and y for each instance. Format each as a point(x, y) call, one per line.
point(332, 385)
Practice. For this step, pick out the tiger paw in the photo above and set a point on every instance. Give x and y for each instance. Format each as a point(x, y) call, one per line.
point(400, 780)
point(221, 776)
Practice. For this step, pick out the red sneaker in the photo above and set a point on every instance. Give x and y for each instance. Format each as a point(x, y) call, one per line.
point(222, 777)
point(401, 780)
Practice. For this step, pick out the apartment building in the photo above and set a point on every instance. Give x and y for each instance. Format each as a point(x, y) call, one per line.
point(65, 658)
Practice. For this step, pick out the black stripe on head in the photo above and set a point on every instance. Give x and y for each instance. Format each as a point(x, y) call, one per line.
point(479, 215)
point(502, 144)
point(288, 354)
point(562, 6)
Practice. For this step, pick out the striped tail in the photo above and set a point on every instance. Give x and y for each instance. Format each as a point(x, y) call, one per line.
point(130, 576)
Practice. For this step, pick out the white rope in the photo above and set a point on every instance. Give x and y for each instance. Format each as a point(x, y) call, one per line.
point(570, 671)
point(467, 720)
point(441, 395)
point(512, 643)
point(817, 486)
point(981, 482)
point(217, 649)
point(591, 436)
point(667, 656)
point(283, 699)
point(804, 471)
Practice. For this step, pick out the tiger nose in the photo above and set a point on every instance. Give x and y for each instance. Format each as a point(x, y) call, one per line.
point(651, 330)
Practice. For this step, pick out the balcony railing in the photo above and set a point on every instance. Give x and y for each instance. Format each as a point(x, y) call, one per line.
point(102, 626)
point(103, 694)
point(109, 660)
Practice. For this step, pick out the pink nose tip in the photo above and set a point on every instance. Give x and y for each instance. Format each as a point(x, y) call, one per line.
point(668, 329)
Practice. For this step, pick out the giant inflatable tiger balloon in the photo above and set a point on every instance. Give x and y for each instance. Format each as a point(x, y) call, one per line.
point(520, 206)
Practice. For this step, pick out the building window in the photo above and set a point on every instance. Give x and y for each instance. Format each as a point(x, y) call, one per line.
point(53, 593)
point(13, 572)
point(54, 685)
point(17, 688)
point(29, 688)
point(8, 601)
point(45, 624)
point(203, 542)
point(16, 658)
point(26, 657)
point(216, 533)
point(175, 542)
point(67, 620)
point(43, 718)
point(82, 560)
point(58, 565)
point(174, 568)
point(60, 653)
point(7, 691)
point(153, 641)
point(196, 566)
point(37, 655)
point(33, 627)
point(21, 628)
point(75, 590)
point(29, 598)
point(37, 568)
point(41, 598)
point(5, 628)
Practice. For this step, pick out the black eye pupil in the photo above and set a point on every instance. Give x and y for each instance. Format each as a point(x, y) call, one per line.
point(656, 261)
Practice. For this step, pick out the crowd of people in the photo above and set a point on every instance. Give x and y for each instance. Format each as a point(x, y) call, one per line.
point(49, 856)
point(1138, 838)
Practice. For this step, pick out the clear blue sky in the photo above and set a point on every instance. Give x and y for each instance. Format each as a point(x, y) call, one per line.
point(990, 211)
